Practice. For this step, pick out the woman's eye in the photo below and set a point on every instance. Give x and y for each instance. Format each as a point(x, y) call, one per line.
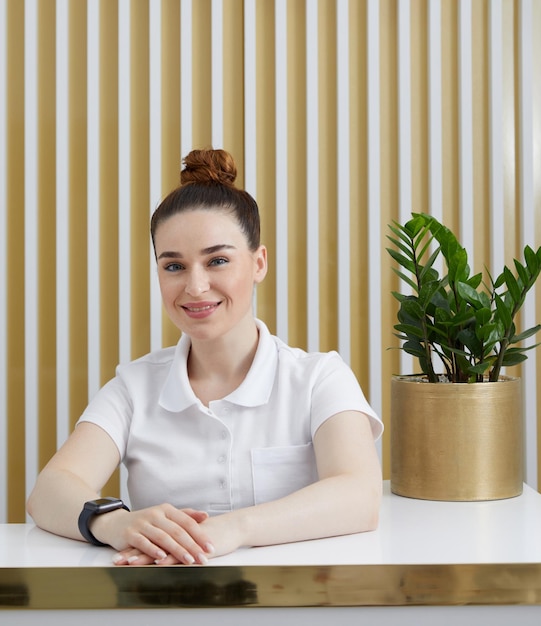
point(173, 267)
point(219, 261)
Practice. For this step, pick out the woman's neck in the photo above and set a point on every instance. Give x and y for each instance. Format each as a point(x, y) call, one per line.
point(216, 368)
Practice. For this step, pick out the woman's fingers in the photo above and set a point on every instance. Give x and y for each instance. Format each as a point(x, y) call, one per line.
point(164, 531)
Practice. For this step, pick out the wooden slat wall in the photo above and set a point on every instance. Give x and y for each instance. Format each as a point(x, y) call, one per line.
point(342, 115)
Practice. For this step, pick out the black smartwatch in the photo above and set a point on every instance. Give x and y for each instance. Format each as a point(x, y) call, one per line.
point(97, 507)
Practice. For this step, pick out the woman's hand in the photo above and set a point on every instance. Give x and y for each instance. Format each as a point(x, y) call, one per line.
point(223, 531)
point(154, 534)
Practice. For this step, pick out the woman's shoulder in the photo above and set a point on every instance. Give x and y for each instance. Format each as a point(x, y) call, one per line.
point(150, 362)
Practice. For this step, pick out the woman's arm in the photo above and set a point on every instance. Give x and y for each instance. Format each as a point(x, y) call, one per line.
point(346, 498)
point(77, 473)
point(74, 475)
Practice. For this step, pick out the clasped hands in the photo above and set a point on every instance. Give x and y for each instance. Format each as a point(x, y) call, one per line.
point(163, 535)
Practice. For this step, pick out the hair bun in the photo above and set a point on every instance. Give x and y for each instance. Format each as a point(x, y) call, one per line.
point(209, 166)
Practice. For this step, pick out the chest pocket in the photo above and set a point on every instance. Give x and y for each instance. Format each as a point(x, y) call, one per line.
point(277, 472)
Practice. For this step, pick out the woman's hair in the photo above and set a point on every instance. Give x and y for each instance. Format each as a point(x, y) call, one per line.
point(207, 182)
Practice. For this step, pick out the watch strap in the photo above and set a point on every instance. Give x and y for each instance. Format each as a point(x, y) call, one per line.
point(90, 510)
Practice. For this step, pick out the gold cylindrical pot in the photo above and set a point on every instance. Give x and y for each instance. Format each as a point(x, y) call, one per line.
point(456, 442)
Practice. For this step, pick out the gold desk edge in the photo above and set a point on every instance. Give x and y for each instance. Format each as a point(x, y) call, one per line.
point(270, 586)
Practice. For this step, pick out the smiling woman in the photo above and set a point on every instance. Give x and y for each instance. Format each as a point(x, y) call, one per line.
point(231, 438)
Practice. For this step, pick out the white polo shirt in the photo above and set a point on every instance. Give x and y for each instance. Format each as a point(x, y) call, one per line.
point(252, 446)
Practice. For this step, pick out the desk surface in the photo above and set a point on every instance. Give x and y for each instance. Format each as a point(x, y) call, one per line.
point(450, 553)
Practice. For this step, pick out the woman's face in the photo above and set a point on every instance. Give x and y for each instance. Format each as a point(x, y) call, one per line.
point(207, 272)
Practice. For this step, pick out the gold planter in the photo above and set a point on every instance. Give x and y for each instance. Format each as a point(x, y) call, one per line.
point(456, 442)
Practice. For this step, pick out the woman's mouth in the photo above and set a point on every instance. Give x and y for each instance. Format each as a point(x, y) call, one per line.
point(199, 310)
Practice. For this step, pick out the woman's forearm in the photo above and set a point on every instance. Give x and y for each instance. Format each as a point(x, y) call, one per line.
point(337, 505)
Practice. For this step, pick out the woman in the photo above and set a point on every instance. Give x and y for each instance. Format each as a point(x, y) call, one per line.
point(231, 438)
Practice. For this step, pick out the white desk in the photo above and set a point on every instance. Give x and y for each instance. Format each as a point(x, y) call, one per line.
point(427, 561)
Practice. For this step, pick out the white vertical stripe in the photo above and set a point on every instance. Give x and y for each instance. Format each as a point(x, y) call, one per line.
point(3, 263)
point(62, 224)
point(185, 77)
point(496, 136)
point(124, 182)
point(312, 174)
point(466, 129)
point(404, 110)
point(124, 197)
point(527, 212)
point(155, 19)
point(344, 195)
point(280, 38)
point(434, 110)
point(374, 226)
point(31, 216)
point(93, 195)
point(404, 133)
point(217, 54)
point(250, 81)
point(250, 128)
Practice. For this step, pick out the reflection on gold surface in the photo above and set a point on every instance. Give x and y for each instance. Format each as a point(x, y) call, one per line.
point(269, 586)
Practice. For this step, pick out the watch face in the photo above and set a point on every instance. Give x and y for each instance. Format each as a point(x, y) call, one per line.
point(103, 505)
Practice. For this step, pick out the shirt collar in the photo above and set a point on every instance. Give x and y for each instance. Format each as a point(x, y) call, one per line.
point(177, 393)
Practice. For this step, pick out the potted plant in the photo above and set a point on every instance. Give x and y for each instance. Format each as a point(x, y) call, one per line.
point(456, 426)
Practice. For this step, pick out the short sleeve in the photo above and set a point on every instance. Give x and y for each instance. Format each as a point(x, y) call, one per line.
point(111, 409)
point(336, 389)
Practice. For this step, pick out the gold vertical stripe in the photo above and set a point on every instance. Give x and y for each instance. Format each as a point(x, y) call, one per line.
point(481, 122)
point(233, 55)
point(15, 279)
point(296, 150)
point(266, 153)
point(328, 227)
point(140, 189)
point(46, 233)
point(78, 352)
point(420, 155)
point(450, 125)
point(202, 73)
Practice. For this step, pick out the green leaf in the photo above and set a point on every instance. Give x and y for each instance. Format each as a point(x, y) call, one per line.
point(532, 261)
point(522, 272)
point(513, 358)
point(525, 334)
point(412, 309)
point(512, 285)
point(409, 330)
point(402, 260)
point(406, 279)
point(470, 295)
point(503, 311)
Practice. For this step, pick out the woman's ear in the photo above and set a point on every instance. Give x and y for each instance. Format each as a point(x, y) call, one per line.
point(260, 258)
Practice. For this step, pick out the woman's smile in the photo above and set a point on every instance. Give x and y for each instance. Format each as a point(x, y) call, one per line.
point(200, 310)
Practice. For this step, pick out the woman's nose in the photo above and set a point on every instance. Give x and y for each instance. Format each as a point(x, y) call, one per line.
point(197, 282)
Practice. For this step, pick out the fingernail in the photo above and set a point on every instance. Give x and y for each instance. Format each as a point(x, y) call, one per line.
point(160, 555)
point(117, 558)
point(132, 559)
point(202, 558)
point(188, 558)
point(209, 548)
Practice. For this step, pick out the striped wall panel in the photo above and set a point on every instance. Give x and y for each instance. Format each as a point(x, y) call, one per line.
point(342, 115)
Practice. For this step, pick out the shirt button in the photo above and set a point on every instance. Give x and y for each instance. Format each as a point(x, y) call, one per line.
point(221, 459)
point(222, 484)
point(223, 434)
point(226, 410)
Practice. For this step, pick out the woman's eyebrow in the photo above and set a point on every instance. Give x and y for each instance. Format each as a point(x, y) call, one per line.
point(170, 254)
